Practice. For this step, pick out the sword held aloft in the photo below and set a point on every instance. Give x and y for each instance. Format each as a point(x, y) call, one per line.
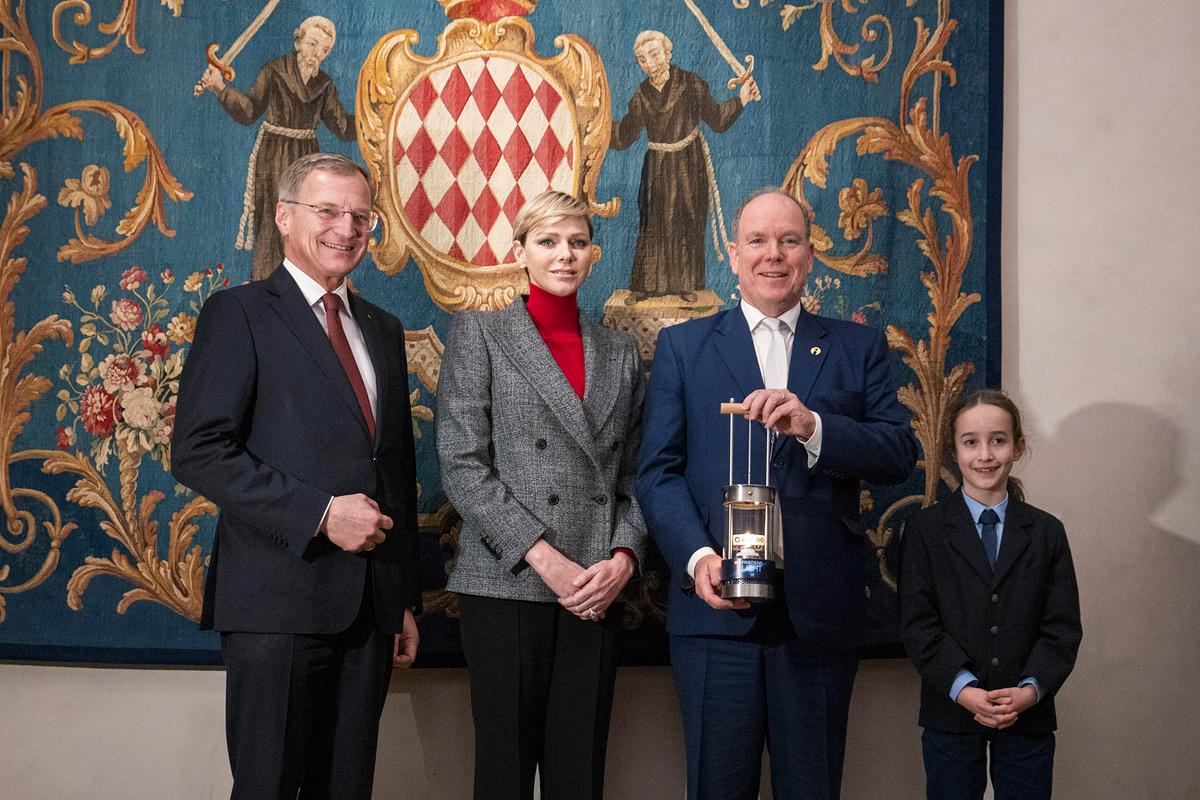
point(224, 64)
point(741, 73)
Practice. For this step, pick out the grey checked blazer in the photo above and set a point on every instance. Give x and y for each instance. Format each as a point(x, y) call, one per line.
point(522, 457)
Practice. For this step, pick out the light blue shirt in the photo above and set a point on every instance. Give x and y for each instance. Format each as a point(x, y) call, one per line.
point(965, 677)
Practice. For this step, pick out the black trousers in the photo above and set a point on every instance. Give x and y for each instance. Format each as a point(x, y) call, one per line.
point(541, 697)
point(302, 712)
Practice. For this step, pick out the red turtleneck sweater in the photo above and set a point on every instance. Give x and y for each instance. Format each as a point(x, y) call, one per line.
point(557, 320)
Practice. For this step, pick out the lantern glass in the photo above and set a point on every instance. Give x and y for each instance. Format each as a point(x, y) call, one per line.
point(747, 529)
point(749, 517)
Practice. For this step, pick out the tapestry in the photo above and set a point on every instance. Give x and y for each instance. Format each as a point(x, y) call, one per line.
point(141, 143)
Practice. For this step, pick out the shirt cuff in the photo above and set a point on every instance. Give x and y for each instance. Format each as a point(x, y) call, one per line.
point(962, 680)
point(813, 443)
point(695, 559)
point(1037, 687)
point(321, 524)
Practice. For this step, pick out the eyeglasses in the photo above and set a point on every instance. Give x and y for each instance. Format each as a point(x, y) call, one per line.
point(363, 221)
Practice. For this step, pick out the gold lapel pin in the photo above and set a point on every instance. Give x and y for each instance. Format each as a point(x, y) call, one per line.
point(815, 350)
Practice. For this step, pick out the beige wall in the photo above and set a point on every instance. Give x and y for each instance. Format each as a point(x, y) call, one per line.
point(1101, 230)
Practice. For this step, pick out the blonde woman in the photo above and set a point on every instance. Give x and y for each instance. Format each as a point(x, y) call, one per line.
point(538, 426)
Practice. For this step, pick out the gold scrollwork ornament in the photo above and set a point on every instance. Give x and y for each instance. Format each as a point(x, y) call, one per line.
point(19, 390)
point(123, 24)
point(915, 138)
point(24, 122)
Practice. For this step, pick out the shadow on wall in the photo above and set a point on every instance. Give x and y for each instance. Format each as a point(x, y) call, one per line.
point(1127, 716)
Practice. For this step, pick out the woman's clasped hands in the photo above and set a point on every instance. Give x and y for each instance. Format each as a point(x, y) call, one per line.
point(586, 593)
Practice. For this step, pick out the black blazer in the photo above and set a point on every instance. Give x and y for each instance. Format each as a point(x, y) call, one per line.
point(1022, 621)
point(268, 428)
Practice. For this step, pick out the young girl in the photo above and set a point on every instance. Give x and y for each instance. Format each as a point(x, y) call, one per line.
point(989, 614)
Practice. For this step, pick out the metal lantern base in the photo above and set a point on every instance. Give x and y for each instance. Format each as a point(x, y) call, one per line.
point(750, 579)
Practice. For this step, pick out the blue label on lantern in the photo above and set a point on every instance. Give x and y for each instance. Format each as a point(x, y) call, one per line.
point(759, 570)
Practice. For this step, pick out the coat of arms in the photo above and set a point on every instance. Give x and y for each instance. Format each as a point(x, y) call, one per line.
point(457, 141)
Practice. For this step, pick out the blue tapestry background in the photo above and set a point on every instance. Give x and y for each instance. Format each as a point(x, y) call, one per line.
point(44, 562)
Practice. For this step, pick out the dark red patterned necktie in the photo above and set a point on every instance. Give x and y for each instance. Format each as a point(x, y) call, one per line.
point(337, 336)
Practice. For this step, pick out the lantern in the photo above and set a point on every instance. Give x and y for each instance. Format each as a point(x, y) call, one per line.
point(748, 565)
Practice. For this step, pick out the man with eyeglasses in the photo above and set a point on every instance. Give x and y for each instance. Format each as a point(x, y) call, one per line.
point(293, 418)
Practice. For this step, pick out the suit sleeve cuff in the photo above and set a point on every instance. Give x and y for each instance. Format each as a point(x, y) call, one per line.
point(962, 680)
point(632, 556)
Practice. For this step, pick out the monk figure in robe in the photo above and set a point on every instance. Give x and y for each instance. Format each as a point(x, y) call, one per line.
point(677, 174)
point(295, 95)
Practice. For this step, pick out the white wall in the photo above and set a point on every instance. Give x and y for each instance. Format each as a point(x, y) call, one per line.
point(1101, 223)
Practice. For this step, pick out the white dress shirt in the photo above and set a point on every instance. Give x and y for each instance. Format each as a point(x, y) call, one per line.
point(761, 335)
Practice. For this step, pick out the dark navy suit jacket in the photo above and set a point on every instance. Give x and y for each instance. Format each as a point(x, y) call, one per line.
point(268, 428)
point(840, 371)
point(1018, 621)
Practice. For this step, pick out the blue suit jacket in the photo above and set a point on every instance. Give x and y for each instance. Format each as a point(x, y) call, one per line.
point(840, 371)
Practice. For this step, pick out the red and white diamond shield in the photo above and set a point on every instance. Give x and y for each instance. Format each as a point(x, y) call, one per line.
point(471, 143)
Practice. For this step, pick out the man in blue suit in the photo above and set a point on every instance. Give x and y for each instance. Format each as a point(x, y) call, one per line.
point(782, 670)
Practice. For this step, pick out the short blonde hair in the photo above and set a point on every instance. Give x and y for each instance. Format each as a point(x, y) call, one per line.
point(546, 209)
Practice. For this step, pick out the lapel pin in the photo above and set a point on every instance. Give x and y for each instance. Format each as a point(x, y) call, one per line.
point(815, 350)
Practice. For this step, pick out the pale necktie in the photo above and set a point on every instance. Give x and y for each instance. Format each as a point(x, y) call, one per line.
point(775, 365)
point(775, 374)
